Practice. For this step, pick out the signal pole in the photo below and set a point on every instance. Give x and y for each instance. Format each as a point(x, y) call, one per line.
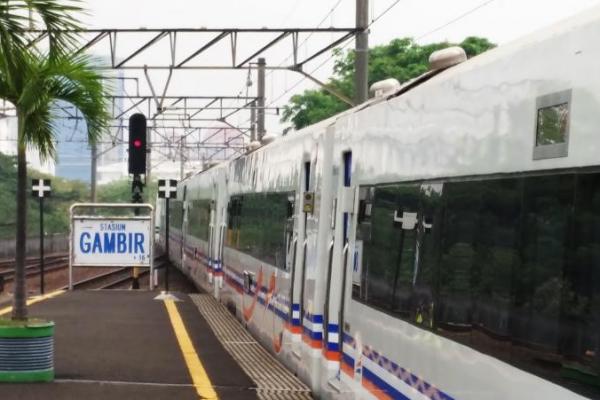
point(167, 188)
point(361, 59)
point(41, 188)
point(138, 140)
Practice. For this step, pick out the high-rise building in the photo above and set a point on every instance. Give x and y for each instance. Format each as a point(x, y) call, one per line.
point(74, 159)
point(8, 145)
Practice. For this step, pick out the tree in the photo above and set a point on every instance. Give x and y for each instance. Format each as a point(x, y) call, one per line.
point(402, 59)
point(56, 17)
point(64, 193)
point(33, 82)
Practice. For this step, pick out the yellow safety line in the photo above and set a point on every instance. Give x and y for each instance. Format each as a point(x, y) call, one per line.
point(200, 379)
point(33, 300)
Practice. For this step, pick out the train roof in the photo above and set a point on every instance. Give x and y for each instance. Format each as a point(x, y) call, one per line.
point(433, 77)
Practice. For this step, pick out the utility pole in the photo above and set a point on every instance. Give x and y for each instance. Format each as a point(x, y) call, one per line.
point(182, 161)
point(261, 98)
point(253, 122)
point(361, 59)
point(94, 167)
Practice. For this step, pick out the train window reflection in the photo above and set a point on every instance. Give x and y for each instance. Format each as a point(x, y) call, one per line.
point(510, 267)
point(552, 124)
point(199, 219)
point(259, 225)
point(176, 214)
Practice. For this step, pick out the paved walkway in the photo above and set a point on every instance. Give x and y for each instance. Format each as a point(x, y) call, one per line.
point(126, 345)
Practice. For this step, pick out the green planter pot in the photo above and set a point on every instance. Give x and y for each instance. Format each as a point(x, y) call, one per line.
point(26, 351)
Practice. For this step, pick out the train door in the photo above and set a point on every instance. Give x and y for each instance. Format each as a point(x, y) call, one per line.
point(221, 215)
point(338, 265)
point(220, 229)
point(212, 224)
point(184, 229)
point(176, 229)
point(297, 257)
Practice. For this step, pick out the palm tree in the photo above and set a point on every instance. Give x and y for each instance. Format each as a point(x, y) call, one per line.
point(32, 82)
point(34, 89)
point(58, 19)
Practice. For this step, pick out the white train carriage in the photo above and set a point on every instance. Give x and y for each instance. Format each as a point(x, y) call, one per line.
point(441, 242)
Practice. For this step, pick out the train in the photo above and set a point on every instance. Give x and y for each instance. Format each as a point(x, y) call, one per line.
point(439, 241)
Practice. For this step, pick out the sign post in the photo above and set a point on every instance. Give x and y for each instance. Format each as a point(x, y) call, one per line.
point(167, 188)
point(111, 241)
point(41, 188)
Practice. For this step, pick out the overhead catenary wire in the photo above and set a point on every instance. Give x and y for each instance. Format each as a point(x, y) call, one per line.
point(394, 4)
point(456, 19)
point(329, 13)
point(270, 73)
point(377, 18)
point(373, 21)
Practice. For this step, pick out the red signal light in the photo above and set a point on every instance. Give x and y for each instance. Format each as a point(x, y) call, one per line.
point(137, 143)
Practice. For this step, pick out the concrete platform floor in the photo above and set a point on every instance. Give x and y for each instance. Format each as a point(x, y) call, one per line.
point(121, 345)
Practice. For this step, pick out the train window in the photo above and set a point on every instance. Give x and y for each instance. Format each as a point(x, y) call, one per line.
point(552, 125)
point(199, 218)
point(399, 250)
point(458, 258)
point(406, 222)
point(581, 327)
point(258, 225)
point(380, 252)
point(510, 267)
point(496, 265)
point(232, 238)
point(427, 255)
point(539, 284)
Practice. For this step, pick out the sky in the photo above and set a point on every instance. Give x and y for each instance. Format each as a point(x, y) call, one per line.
point(426, 20)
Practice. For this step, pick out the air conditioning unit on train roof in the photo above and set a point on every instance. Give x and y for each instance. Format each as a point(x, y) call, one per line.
point(268, 138)
point(386, 86)
point(255, 144)
point(209, 165)
point(447, 57)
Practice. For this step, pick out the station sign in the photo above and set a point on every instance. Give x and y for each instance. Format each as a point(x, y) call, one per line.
point(114, 242)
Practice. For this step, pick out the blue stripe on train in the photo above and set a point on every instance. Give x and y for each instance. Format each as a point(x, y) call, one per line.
point(383, 385)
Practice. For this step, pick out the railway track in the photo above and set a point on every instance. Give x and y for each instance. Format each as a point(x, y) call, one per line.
point(112, 279)
point(53, 263)
point(115, 279)
point(9, 263)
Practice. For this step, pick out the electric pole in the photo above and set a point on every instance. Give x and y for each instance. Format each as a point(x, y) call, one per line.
point(94, 168)
point(361, 59)
point(253, 122)
point(261, 99)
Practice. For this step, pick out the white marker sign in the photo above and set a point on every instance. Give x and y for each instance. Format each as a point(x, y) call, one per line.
point(112, 242)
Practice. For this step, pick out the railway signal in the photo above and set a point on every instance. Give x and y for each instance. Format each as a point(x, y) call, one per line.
point(167, 189)
point(41, 188)
point(137, 166)
point(137, 144)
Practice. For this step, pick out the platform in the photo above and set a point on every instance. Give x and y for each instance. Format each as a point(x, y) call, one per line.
point(126, 345)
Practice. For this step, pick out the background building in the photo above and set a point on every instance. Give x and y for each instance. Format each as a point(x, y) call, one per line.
point(8, 144)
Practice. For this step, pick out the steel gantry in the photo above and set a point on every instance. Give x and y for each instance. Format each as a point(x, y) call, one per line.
point(209, 37)
point(195, 127)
